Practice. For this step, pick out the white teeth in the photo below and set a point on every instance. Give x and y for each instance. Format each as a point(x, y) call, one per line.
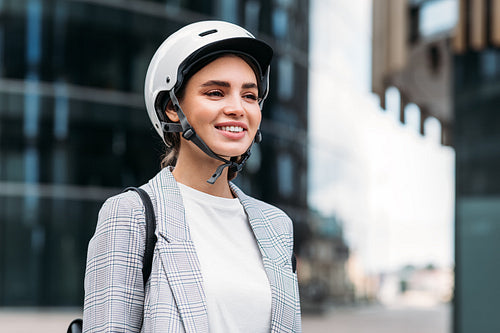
point(235, 129)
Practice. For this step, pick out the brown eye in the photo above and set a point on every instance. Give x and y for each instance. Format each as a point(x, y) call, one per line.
point(214, 93)
point(251, 97)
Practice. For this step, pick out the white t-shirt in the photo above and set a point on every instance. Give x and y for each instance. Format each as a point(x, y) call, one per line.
point(235, 282)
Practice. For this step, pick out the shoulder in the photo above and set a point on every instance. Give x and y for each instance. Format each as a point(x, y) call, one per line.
point(118, 211)
point(277, 217)
point(273, 215)
point(126, 198)
point(271, 211)
point(122, 203)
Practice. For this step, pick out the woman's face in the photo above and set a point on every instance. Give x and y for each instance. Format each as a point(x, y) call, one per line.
point(221, 103)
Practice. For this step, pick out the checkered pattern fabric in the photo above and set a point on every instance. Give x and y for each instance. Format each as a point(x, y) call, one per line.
point(173, 299)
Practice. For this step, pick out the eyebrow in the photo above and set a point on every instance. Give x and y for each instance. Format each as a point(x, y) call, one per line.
point(249, 85)
point(227, 85)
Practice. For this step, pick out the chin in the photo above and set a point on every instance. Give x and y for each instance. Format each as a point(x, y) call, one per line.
point(227, 152)
point(229, 156)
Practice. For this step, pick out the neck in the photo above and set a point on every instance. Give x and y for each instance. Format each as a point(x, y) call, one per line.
point(196, 174)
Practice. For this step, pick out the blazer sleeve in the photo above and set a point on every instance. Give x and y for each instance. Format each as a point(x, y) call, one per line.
point(288, 225)
point(114, 291)
point(283, 226)
point(297, 325)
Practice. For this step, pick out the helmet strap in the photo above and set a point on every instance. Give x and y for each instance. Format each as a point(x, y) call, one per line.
point(189, 133)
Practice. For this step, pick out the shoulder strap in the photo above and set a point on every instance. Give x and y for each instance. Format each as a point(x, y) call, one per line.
point(150, 231)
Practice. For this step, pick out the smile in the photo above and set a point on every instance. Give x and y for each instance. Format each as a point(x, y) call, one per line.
point(233, 129)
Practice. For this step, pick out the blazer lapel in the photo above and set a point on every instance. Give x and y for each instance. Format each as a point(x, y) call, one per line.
point(276, 260)
point(178, 254)
point(270, 243)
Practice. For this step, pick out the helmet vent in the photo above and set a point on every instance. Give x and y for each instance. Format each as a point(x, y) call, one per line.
point(208, 32)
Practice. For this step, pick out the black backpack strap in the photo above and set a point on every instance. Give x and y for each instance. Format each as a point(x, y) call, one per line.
point(75, 326)
point(294, 263)
point(150, 231)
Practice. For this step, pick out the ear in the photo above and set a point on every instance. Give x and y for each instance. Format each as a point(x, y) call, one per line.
point(171, 113)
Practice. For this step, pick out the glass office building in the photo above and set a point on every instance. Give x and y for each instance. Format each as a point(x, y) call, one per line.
point(476, 96)
point(74, 130)
point(477, 145)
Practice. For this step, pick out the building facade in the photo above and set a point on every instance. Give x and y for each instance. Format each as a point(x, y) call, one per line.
point(74, 130)
point(453, 74)
point(476, 87)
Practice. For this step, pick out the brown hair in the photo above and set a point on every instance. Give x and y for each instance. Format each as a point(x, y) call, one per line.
point(173, 139)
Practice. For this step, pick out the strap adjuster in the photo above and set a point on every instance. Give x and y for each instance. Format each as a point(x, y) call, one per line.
point(188, 134)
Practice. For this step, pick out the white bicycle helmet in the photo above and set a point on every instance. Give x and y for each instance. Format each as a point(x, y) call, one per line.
point(187, 50)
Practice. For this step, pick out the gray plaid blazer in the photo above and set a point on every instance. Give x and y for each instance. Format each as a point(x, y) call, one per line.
point(173, 299)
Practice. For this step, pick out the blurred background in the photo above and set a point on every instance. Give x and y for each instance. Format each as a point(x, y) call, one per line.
point(381, 141)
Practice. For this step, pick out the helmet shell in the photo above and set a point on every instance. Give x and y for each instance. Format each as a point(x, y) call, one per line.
point(192, 43)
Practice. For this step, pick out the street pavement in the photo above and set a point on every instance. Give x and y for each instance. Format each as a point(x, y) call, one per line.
point(378, 318)
point(360, 319)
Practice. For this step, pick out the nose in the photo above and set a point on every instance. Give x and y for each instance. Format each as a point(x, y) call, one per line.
point(234, 106)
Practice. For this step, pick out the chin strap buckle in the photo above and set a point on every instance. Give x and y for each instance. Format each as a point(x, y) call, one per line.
point(218, 172)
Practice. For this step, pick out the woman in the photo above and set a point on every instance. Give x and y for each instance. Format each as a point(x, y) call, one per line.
point(223, 260)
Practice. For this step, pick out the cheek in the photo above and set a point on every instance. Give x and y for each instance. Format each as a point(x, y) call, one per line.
point(254, 114)
point(257, 117)
point(254, 122)
point(197, 114)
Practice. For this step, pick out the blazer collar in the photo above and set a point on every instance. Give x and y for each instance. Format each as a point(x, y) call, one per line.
point(169, 207)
